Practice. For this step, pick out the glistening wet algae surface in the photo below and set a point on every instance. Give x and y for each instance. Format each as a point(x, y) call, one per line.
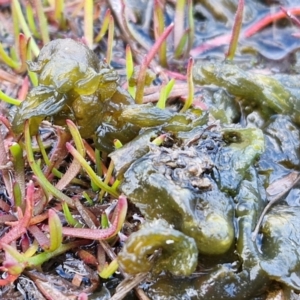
point(202, 192)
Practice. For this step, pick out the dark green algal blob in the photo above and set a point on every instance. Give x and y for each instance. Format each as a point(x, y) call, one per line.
point(179, 252)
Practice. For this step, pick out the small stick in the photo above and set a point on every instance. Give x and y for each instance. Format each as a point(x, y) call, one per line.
point(275, 199)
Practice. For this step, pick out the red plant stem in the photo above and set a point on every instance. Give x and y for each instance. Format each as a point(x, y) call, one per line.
point(97, 234)
point(9, 279)
point(22, 93)
point(236, 30)
point(142, 74)
point(291, 17)
point(21, 227)
point(23, 42)
point(268, 20)
point(251, 30)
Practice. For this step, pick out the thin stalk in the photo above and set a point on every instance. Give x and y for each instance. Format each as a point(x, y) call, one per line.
point(129, 70)
point(16, 25)
point(19, 166)
point(59, 9)
point(179, 22)
point(55, 230)
point(142, 74)
point(110, 39)
point(190, 98)
point(17, 7)
point(8, 99)
point(90, 171)
point(7, 59)
point(179, 51)
point(238, 21)
point(43, 24)
point(32, 75)
point(31, 20)
point(104, 26)
point(88, 22)
point(191, 24)
point(23, 45)
point(109, 270)
point(47, 186)
point(107, 177)
point(98, 163)
point(164, 94)
point(39, 259)
point(159, 26)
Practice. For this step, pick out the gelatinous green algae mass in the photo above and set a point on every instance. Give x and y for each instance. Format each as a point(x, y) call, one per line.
point(244, 146)
point(243, 279)
point(163, 184)
point(281, 245)
point(78, 80)
point(65, 65)
point(74, 84)
point(264, 90)
point(179, 252)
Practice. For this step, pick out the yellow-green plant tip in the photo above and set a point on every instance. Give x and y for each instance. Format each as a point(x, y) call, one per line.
point(132, 91)
point(21, 20)
point(169, 87)
point(19, 170)
point(104, 221)
point(107, 177)
point(76, 137)
point(7, 59)
point(31, 21)
point(55, 230)
point(16, 25)
point(8, 99)
point(42, 150)
point(13, 54)
point(179, 21)
point(110, 39)
point(18, 196)
point(179, 51)
point(90, 171)
point(54, 171)
point(88, 198)
point(159, 140)
point(69, 218)
point(160, 27)
point(238, 20)
point(43, 23)
point(33, 248)
point(46, 185)
point(88, 22)
point(164, 94)
point(98, 163)
point(109, 270)
point(129, 64)
point(161, 103)
point(104, 26)
point(94, 186)
point(116, 184)
point(118, 144)
point(59, 8)
point(16, 151)
point(190, 98)
point(191, 24)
